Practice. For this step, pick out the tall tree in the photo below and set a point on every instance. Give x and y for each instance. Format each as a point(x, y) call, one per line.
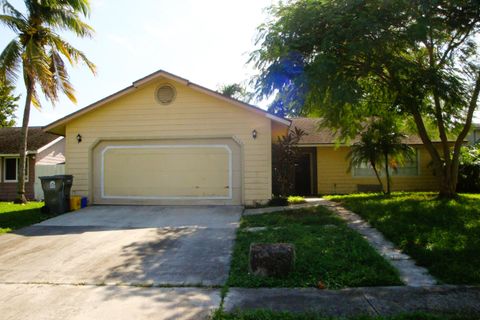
point(8, 105)
point(38, 53)
point(360, 58)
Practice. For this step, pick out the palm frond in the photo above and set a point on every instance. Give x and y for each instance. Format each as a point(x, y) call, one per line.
point(10, 60)
point(36, 100)
point(10, 10)
point(82, 6)
point(36, 66)
point(15, 24)
point(70, 21)
point(68, 51)
point(61, 77)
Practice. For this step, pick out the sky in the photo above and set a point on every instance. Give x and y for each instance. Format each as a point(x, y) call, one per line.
point(207, 42)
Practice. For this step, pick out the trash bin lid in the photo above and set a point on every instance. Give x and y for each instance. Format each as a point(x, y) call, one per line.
point(47, 177)
point(63, 176)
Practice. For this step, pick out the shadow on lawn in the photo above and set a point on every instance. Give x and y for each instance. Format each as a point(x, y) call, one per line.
point(21, 218)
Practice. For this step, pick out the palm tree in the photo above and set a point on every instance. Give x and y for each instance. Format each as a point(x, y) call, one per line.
point(236, 91)
point(391, 146)
point(38, 53)
point(381, 146)
point(366, 151)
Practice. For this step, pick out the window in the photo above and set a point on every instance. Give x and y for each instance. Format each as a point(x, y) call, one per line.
point(409, 168)
point(10, 169)
point(364, 170)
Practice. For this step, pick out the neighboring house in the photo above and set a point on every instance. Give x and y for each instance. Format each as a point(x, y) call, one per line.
point(165, 140)
point(323, 166)
point(474, 136)
point(44, 152)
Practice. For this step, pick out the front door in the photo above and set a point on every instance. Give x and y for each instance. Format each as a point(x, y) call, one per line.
point(303, 179)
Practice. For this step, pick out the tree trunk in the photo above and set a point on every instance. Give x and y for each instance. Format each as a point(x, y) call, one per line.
point(446, 185)
point(23, 146)
point(387, 174)
point(376, 174)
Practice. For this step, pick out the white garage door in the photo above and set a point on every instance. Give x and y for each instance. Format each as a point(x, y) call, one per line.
point(167, 172)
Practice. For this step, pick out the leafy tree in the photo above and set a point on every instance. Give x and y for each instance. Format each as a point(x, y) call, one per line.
point(284, 155)
point(38, 52)
point(8, 105)
point(381, 146)
point(354, 59)
point(469, 171)
point(236, 91)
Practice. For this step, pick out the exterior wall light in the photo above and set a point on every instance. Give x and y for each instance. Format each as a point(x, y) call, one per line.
point(79, 138)
point(254, 134)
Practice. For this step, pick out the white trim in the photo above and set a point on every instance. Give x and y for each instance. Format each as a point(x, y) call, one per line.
point(278, 119)
point(165, 146)
point(16, 154)
point(48, 145)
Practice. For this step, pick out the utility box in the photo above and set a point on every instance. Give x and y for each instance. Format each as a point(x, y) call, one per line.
point(56, 190)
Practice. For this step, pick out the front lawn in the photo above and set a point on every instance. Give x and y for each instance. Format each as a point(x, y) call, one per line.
point(270, 315)
point(15, 216)
point(443, 236)
point(327, 251)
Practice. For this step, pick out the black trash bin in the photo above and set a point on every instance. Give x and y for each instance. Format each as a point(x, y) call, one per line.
point(56, 191)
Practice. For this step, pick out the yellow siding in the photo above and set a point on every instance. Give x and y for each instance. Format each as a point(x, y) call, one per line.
point(334, 178)
point(191, 115)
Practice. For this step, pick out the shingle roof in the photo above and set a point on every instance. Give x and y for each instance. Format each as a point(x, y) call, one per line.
point(10, 139)
point(317, 135)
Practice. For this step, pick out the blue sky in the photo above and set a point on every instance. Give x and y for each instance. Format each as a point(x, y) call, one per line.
point(206, 42)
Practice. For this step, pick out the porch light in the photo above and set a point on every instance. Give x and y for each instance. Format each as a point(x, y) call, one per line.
point(254, 134)
point(79, 138)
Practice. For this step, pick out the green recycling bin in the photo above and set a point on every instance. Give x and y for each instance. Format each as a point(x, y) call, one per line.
point(56, 191)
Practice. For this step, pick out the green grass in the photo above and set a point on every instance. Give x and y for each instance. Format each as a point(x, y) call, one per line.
point(441, 235)
point(15, 216)
point(269, 315)
point(326, 250)
point(296, 200)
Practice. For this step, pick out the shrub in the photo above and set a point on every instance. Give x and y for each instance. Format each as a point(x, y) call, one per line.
point(469, 170)
point(278, 201)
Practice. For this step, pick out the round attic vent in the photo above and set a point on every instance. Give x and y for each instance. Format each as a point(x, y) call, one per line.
point(165, 94)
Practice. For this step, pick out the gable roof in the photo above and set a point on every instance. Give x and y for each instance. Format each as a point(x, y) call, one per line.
point(58, 126)
point(316, 135)
point(37, 138)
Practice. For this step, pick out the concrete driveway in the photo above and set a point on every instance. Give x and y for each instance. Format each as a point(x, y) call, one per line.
point(111, 252)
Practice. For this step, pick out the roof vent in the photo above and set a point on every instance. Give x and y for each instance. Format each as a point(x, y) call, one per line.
point(165, 94)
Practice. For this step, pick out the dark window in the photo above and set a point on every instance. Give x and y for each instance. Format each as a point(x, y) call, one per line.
point(11, 169)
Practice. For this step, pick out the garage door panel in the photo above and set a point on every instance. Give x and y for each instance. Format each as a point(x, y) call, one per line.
point(167, 172)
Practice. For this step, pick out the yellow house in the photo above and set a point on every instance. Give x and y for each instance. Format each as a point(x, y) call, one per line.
point(322, 166)
point(164, 140)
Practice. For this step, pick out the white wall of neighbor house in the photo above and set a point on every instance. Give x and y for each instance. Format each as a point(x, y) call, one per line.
point(191, 115)
point(49, 160)
point(53, 153)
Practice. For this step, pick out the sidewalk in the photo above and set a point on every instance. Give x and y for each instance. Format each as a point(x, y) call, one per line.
point(381, 301)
